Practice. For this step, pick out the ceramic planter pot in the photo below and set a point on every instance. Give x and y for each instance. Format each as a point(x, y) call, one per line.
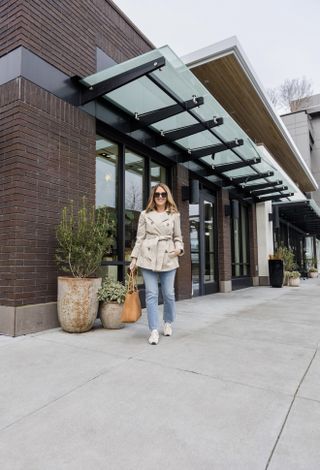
point(110, 315)
point(313, 274)
point(77, 303)
point(294, 281)
point(276, 272)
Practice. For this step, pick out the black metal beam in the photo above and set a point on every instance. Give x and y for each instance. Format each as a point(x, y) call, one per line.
point(182, 132)
point(273, 198)
point(111, 84)
point(254, 187)
point(212, 149)
point(146, 119)
point(235, 165)
point(252, 177)
point(276, 189)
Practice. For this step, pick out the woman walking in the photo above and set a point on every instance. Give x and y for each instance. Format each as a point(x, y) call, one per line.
point(156, 251)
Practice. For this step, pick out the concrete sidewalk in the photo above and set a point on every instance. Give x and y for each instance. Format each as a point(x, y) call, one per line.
point(237, 387)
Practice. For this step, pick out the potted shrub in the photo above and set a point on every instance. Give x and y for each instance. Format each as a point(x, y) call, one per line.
point(83, 239)
point(111, 295)
point(293, 278)
point(313, 272)
point(279, 263)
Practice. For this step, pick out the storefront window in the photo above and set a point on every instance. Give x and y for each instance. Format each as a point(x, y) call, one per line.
point(240, 240)
point(134, 173)
point(123, 178)
point(106, 181)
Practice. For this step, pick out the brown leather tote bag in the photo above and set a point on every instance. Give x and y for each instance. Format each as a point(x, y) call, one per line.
point(131, 311)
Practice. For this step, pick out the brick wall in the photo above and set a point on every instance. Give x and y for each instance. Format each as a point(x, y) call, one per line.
point(65, 33)
point(47, 157)
point(183, 279)
point(224, 237)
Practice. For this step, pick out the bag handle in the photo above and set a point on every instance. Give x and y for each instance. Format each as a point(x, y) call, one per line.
point(132, 281)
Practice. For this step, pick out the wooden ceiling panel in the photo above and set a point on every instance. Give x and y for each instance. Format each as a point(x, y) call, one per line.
point(230, 85)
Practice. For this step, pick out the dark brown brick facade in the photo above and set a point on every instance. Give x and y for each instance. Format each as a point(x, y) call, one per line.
point(47, 150)
point(66, 33)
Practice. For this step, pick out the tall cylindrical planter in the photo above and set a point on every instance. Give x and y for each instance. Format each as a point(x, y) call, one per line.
point(276, 272)
point(77, 303)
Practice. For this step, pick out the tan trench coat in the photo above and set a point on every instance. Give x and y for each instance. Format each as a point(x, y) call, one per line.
point(158, 236)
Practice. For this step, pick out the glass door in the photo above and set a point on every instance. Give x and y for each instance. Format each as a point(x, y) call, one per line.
point(203, 244)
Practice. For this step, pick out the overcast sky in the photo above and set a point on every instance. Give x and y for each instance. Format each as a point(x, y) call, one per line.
point(281, 38)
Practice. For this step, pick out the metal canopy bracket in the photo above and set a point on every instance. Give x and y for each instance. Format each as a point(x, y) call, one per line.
point(182, 132)
point(276, 189)
point(245, 179)
point(274, 198)
point(235, 165)
point(211, 149)
point(146, 119)
point(111, 84)
point(255, 187)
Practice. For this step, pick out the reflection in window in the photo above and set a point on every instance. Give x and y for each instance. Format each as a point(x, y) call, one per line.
point(194, 218)
point(134, 170)
point(106, 180)
point(157, 173)
point(240, 241)
point(209, 241)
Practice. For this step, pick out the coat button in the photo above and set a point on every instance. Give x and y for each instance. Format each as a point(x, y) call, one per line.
point(166, 251)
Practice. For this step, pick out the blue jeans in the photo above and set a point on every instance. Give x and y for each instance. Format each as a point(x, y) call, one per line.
point(152, 292)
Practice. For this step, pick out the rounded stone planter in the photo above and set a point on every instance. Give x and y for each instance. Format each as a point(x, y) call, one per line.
point(110, 315)
point(294, 281)
point(313, 274)
point(77, 303)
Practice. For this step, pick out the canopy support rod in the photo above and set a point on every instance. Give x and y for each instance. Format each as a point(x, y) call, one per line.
point(273, 198)
point(157, 115)
point(276, 189)
point(256, 187)
point(111, 84)
point(182, 132)
point(244, 179)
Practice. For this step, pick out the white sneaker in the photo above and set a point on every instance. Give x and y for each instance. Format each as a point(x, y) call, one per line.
point(154, 337)
point(167, 329)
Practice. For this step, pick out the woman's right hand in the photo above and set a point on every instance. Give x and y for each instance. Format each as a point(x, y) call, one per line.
point(133, 264)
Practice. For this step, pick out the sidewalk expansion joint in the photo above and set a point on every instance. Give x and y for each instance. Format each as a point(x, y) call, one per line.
point(289, 410)
point(219, 378)
point(69, 392)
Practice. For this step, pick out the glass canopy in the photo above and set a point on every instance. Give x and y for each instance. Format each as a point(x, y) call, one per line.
point(209, 151)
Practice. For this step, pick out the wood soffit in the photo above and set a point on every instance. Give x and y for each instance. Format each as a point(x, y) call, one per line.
point(228, 83)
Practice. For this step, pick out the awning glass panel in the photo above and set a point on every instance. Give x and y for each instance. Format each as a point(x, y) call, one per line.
point(175, 84)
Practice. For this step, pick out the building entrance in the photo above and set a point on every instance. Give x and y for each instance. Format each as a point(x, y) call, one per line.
point(203, 244)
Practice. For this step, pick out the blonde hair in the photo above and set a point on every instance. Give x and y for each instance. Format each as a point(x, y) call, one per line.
point(170, 204)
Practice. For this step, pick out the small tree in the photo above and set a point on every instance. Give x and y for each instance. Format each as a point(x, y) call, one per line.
point(292, 94)
point(84, 239)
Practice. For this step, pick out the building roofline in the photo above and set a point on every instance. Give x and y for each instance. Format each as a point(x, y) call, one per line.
point(232, 45)
point(130, 22)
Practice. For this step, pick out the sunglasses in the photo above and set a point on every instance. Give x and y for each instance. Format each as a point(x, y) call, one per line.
point(163, 195)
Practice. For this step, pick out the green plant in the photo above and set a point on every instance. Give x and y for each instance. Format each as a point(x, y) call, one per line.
point(313, 270)
point(112, 291)
point(287, 255)
point(83, 239)
point(293, 274)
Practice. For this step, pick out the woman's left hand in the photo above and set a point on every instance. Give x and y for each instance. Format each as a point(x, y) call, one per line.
point(174, 253)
